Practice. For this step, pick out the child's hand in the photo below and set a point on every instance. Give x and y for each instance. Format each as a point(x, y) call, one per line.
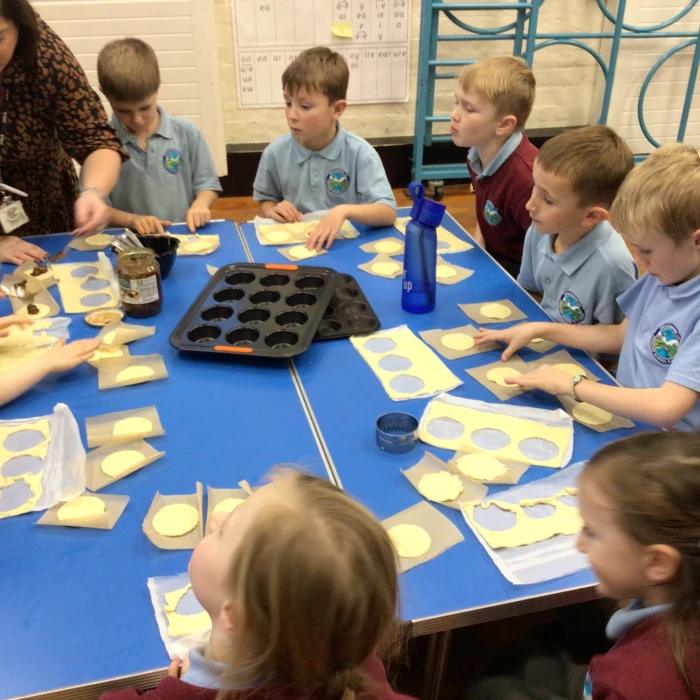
point(175, 669)
point(16, 251)
point(198, 215)
point(146, 225)
point(285, 212)
point(327, 230)
point(14, 320)
point(516, 337)
point(545, 378)
point(63, 357)
point(216, 521)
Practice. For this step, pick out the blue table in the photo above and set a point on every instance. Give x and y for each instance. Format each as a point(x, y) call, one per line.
point(74, 604)
point(462, 586)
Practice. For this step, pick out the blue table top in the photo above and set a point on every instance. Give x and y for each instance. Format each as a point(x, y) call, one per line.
point(464, 578)
point(73, 602)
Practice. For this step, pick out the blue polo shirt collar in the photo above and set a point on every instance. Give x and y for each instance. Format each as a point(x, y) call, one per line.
point(331, 152)
point(570, 260)
point(626, 618)
point(691, 288)
point(165, 129)
point(505, 152)
point(207, 673)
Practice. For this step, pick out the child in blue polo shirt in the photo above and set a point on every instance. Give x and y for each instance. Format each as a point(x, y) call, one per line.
point(574, 262)
point(170, 176)
point(319, 166)
point(657, 212)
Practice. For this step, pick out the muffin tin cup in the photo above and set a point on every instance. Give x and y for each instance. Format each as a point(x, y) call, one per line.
point(260, 310)
point(348, 313)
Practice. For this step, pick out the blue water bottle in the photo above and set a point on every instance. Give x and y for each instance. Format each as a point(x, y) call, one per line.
point(420, 254)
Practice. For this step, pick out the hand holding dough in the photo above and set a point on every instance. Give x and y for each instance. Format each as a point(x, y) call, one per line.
point(498, 375)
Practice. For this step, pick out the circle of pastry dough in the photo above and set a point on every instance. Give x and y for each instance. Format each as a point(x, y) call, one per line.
point(440, 486)
point(387, 246)
point(571, 369)
point(457, 341)
point(109, 337)
point(132, 426)
point(81, 507)
point(499, 374)
point(385, 268)
point(591, 415)
point(176, 519)
point(444, 272)
point(277, 236)
point(119, 462)
point(498, 311)
point(410, 541)
point(482, 467)
point(99, 239)
point(534, 341)
point(197, 245)
point(44, 310)
point(134, 372)
point(228, 505)
point(300, 252)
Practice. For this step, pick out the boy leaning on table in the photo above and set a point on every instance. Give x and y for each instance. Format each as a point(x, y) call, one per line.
point(318, 165)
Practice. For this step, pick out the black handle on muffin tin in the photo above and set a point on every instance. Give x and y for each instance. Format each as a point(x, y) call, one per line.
point(257, 310)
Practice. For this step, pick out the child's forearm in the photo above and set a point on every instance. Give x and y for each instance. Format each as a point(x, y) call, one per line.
point(376, 214)
point(120, 219)
point(663, 407)
point(601, 338)
point(478, 236)
point(206, 198)
point(17, 381)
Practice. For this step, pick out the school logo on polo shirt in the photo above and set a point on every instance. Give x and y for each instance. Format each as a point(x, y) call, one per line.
point(337, 181)
point(665, 342)
point(171, 160)
point(570, 308)
point(491, 214)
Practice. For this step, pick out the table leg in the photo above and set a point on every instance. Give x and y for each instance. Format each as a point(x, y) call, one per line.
point(436, 664)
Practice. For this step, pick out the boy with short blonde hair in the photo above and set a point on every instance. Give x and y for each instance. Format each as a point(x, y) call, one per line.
point(493, 101)
point(574, 262)
point(657, 212)
point(171, 175)
point(319, 166)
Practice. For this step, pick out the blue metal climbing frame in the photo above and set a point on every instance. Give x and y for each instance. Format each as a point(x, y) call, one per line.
point(526, 40)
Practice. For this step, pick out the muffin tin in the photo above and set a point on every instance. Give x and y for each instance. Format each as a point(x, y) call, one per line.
point(349, 312)
point(257, 310)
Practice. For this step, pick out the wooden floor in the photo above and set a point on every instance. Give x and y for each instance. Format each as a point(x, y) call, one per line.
point(458, 198)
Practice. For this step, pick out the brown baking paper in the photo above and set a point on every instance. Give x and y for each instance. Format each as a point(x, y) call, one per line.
point(96, 479)
point(462, 272)
point(561, 357)
point(373, 246)
point(187, 541)
point(443, 532)
point(474, 312)
point(212, 270)
point(25, 270)
point(107, 370)
point(37, 291)
point(430, 464)
point(114, 507)
point(434, 338)
point(367, 267)
point(100, 429)
point(215, 496)
point(502, 392)
point(103, 349)
point(124, 333)
point(213, 240)
point(514, 469)
point(617, 421)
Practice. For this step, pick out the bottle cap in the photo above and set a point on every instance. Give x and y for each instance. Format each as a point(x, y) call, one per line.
point(425, 211)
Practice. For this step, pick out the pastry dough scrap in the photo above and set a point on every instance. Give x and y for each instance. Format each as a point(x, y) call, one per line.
point(481, 467)
point(176, 519)
point(277, 236)
point(178, 624)
point(499, 374)
point(387, 246)
point(571, 369)
point(457, 341)
point(81, 507)
point(535, 341)
point(591, 415)
point(385, 268)
point(107, 353)
point(301, 252)
point(119, 462)
point(410, 541)
point(443, 272)
point(228, 505)
point(134, 372)
point(440, 486)
point(197, 245)
point(499, 311)
point(134, 425)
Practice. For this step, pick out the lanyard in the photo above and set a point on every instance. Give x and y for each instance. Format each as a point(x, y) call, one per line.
point(3, 126)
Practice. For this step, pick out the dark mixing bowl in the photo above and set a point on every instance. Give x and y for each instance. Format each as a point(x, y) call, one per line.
point(165, 248)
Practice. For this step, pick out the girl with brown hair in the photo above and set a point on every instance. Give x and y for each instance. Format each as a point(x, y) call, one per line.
point(301, 586)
